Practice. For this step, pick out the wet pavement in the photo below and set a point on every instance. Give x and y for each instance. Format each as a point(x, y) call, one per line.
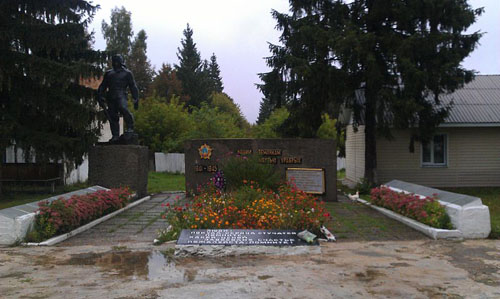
point(397, 269)
point(116, 259)
point(138, 224)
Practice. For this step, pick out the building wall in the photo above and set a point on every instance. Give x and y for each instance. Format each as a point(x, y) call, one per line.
point(355, 154)
point(473, 159)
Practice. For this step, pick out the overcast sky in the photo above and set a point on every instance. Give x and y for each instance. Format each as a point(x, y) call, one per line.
point(238, 32)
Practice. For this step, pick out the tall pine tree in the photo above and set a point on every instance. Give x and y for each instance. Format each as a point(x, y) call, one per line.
point(118, 34)
point(139, 63)
point(214, 77)
point(44, 54)
point(304, 74)
point(401, 55)
point(190, 70)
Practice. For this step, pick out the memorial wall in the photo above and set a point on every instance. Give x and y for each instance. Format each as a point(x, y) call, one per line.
point(310, 162)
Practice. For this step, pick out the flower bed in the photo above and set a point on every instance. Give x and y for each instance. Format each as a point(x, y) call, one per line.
point(425, 210)
point(248, 207)
point(63, 215)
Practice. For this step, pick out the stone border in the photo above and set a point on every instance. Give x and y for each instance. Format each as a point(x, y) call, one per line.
point(434, 233)
point(63, 237)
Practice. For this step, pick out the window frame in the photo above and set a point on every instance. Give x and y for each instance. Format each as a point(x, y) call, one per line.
point(445, 152)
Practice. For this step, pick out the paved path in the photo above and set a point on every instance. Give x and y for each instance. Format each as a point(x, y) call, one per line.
point(351, 222)
point(138, 224)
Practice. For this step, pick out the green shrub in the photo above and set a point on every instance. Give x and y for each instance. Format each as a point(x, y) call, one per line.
point(364, 187)
point(247, 168)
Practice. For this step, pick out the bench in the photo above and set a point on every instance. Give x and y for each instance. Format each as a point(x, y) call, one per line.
point(29, 173)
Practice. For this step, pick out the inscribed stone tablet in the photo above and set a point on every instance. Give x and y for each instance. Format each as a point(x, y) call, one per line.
point(240, 237)
point(309, 180)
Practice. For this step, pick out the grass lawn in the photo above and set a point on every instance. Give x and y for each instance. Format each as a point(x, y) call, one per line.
point(157, 182)
point(11, 198)
point(490, 196)
point(162, 181)
point(341, 174)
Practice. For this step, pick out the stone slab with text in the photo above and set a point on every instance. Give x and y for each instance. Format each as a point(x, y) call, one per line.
point(243, 237)
point(310, 163)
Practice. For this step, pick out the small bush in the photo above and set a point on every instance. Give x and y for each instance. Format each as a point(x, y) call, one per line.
point(247, 168)
point(364, 186)
point(63, 215)
point(425, 210)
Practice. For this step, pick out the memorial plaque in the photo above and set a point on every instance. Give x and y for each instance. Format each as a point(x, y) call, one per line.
point(310, 180)
point(241, 237)
point(204, 157)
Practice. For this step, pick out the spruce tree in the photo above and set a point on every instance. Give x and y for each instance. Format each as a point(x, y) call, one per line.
point(401, 55)
point(304, 76)
point(45, 52)
point(139, 63)
point(118, 34)
point(190, 70)
point(215, 80)
point(265, 110)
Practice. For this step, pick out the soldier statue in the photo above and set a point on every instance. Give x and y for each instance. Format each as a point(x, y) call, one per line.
point(115, 82)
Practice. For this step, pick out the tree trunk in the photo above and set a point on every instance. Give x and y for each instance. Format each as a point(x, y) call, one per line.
point(370, 140)
point(2, 153)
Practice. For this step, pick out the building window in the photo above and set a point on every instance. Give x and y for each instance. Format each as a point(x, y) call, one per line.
point(434, 152)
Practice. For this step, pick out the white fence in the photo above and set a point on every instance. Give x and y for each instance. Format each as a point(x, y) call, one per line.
point(169, 163)
point(340, 163)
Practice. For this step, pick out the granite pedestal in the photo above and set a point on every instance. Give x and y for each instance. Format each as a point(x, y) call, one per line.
point(114, 166)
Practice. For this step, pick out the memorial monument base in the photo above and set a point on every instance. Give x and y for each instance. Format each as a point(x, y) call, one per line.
point(114, 166)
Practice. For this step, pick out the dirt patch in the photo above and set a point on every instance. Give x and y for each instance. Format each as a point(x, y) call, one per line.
point(368, 275)
point(474, 260)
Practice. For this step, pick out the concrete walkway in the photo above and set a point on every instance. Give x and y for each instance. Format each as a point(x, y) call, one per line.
point(136, 225)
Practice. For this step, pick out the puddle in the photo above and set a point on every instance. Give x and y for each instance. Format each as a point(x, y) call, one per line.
point(157, 265)
point(136, 265)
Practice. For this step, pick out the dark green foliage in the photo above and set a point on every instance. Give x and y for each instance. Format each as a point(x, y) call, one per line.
point(304, 75)
point(400, 55)
point(404, 55)
point(44, 54)
point(265, 110)
point(139, 63)
point(239, 170)
point(191, 71)
point(214, 78)
point(118, 34)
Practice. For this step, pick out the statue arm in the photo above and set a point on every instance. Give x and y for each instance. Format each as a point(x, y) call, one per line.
point(134, 90)
point(102, 88)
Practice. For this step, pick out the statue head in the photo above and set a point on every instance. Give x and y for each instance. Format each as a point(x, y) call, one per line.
point(117, 61)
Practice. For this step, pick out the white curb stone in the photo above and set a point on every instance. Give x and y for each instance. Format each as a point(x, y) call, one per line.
point(434, 233)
